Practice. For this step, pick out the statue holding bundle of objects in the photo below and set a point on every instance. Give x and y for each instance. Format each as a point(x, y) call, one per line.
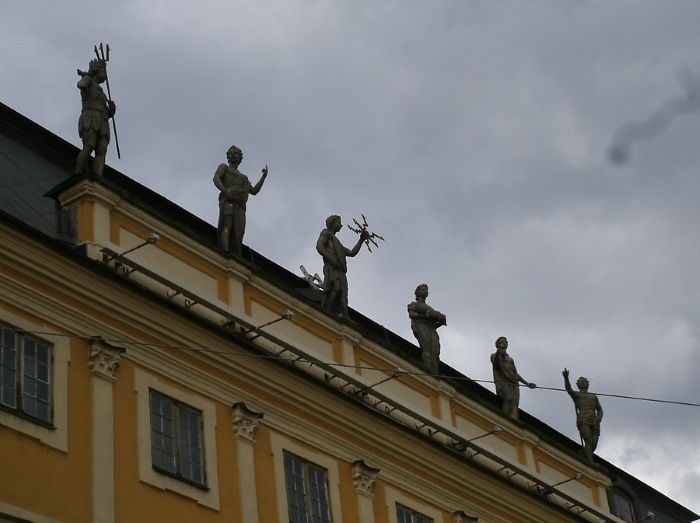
point(335, 265)
point(424, 323)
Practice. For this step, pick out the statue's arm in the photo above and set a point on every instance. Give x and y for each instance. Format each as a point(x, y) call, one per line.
point(323, 240)
point(567, 383)
point(256, 189)
point(353, 252)
point(599, 409)
point(218, 177)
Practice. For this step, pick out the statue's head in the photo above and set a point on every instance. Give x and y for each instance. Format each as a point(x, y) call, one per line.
point(582, 383)
point(98, 70)
point(333, 219)
point(421, 290)
point(502, 343)
point(234, 155)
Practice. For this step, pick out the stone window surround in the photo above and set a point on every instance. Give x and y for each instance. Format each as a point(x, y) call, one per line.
point(143, 383)
point(57, 435)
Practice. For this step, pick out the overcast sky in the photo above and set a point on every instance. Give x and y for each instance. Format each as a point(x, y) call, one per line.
point(475, 136)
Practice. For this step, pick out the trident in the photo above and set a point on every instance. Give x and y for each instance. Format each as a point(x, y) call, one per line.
point(105, 58)
point(362, 227)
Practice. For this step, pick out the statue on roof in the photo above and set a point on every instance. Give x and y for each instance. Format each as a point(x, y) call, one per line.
point(589, 414)
point(507, 379)
point(235, 188)
point(93, 125)
point(335, 268)
point(424, 323)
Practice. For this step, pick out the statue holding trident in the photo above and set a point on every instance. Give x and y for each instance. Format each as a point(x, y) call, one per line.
point(93, 126)
point(589, 414)
point(335, 266)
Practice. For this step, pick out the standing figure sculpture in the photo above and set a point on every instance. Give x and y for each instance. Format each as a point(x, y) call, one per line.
point(335, 267)
point(235, 189)
point(507, 379)
point(424, 323)
point(589, 414)
point(93, 126)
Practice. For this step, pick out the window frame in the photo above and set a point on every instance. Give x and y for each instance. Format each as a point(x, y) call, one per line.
point(279, 443)
point(143, 383)
point(178, 408)
point(20, 377)
point(308, 470)
point(412, 501)
point(413, 515)
point(616, 495)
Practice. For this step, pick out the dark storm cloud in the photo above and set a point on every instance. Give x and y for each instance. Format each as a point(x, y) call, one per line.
point(658, 122)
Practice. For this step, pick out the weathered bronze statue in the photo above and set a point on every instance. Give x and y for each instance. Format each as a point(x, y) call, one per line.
point(507, 379)
point(589, 414)
point(424, 323)
point(335, 267)
point(93, 126)
point(235, 188)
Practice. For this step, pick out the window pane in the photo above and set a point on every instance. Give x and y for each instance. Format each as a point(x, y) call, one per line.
point(307, 491)
point(176, 438)
point(8, 368)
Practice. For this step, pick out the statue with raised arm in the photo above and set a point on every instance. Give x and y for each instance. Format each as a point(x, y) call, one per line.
point(507, 379)
point(589, 414)
point(335, 267)
point(93, 125)
point(424, 323)
point(234, 188)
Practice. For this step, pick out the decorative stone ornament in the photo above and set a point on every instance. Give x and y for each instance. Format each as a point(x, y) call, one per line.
point(245, 421)
point(103, 358)
point(363, 478)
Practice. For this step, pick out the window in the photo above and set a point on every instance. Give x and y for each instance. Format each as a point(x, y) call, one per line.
point(406, 515)
point(307, 491)
point(621, 504)
point(176, 439)
point(25, 374)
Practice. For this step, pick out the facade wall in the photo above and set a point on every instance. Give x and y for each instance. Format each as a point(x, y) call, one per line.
point(105, 472)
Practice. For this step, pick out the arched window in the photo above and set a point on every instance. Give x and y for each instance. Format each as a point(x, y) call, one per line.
point(621, 504)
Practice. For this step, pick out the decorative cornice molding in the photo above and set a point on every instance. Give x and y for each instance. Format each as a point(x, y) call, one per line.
point(363, 478)
point(245, 421)
point(103, 359)
point(461, 517)
point(91, 190)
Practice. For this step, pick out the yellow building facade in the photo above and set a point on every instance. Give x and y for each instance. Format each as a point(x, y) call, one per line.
point(148, 381)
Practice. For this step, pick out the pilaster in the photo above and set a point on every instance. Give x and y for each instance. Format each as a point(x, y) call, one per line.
point(245, 423)
point(363, 479)
point(103, 362)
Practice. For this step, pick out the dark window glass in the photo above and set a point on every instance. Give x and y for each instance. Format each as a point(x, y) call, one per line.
point(621, 505)
point(406, 515)
point(176, 439)
point(25, 374)
point(307, 491)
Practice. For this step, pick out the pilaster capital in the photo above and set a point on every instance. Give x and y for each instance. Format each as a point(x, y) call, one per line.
point(103, 358)
point(244, 421)
point(363, 478)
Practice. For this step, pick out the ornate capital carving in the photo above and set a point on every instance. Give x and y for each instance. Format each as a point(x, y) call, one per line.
point(461, 517)
point(103, 359)
point(363, 478)
point(245, 421)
